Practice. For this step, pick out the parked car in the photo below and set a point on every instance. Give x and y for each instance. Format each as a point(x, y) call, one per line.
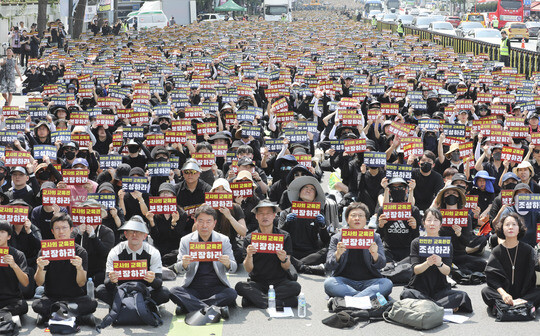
point(389, 17)
point(405, 19)
point(464, 27)
point(423, 22)
point(516, 30)
point(488, 35)
point(442, 27)
point(212, 17)
point(533, 28)
point(454, 20)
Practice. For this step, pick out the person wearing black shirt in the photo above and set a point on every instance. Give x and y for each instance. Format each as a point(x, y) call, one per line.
point(510, 268)
point(430, 180)
point(42, 214)
point(429, 273)
point(13, 276)
point(135, 202)
point(267, 269)
point(134, 158)
point(20, 176)
point(64, 280)
point(355, 272)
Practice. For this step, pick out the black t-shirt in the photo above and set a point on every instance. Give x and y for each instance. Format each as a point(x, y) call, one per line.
point(267, 266)
point(355, 267)
point(398, 234)
point(427, 188)
point(61, 277)
point(10, 288)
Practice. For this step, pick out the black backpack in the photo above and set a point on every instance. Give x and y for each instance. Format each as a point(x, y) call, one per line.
point(132, 305)
point(7, 326)
point(346, 317)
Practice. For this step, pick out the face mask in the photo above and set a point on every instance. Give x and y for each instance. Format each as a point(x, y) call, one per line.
point(44, 176)
point(161, 159)
point(451, 200)
point(425, 167)
point(462, 187)
point(168, 88)
point(133, 149)
point(510, 186)
point(398, 195)
point(70, 155)
point(497, 156)
point(163, 126)
point(455, 156)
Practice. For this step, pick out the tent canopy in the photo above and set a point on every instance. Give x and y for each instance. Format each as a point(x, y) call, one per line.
point(230, 6)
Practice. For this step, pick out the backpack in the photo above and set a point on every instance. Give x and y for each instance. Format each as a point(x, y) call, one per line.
point(62, 320)
point(7, 326)
point(132, 305)
point(346, 317)
point(419, 314)
point(400, 274)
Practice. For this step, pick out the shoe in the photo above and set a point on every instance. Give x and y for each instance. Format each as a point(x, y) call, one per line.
point(180, 311)
point(314, 269)
point(224, 311)
point(88, 320)
point(246, 303)
point(41, 320)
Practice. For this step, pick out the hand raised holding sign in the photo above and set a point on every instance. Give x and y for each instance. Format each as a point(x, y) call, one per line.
point(340, 250)
point(149, 276)
point(412, 222)
point(224, 259)
point(77, 263)
point(41, 263)
point(113, 276)
point(251, 250)
point(457, 229)
point(186, 260)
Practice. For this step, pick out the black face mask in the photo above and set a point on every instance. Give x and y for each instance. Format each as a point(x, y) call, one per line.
point(133, 149)
point(70, 155)
point(462, 187)
point(451, 200)
point(161, 159)
point(164, 126)
point(398, 195)
point(510, 186)
point(425, 167)
point(44, 176)
point(455, 156)
point(168, 88)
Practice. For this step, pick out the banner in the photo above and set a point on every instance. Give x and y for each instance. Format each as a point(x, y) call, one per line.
point(135, 184)
point(399, 170)
point(106, 200)
point(357, 239)
point(219, 200)
point(86, 215)
point(130, 269)
point(242, 189)
point(40, 151)
point(58, 249)
point(306, 209)
point(16, 158)
point(75, 176)
point(455, 216)
point(205, 251)
point(17, 214)
point(440, 246)
point(267, 243)
point(162, 205)
point(397, 211)
point(62, 197)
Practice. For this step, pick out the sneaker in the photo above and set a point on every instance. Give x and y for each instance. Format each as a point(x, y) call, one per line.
point(314, 269)
point(180, 311)
point(88, 320)
point(246, 303)
point(224, 311)
point(41, 320)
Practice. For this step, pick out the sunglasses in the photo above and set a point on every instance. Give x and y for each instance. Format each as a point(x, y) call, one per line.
point(190, 172)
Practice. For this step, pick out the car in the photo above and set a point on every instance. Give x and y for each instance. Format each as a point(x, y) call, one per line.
point(389, 17)
point(454, 20)
point(488, 35)
point(533, 28)
point(378, 16)
point(212, 17)
point(516, 30)
point(442, 27)
point(405, 19)
point(464, 27)
point(423, 22)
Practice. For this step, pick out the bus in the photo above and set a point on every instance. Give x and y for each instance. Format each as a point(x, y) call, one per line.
point(372, 5)
point(504, 10)
point(392, 4)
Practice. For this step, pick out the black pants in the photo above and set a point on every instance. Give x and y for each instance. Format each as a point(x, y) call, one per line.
point(469, 262)
point(29, 291)
point(97, 277)
point(395, 254)
point(193, 299)
point(85, 305)
point(14, 306)
point(160, 296)
point(303, 259)
point(257, 292)
point(168, 259)
point(445, 298)
point(505, 60)
point(490, 295)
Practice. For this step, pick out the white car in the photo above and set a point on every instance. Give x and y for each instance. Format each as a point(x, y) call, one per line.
point(488, 35)
point(442, 27)
point(405, 19)
point(389, 17)
point(212, 17)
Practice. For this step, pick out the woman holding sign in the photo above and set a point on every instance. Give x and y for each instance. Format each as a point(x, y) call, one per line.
point(510, 268)
point(430, 269)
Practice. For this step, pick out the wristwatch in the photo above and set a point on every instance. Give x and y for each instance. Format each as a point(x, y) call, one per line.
point(286, 259)
point(441, 265)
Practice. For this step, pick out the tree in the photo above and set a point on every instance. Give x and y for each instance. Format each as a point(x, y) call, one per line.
point(78, 19)
point(42, 16)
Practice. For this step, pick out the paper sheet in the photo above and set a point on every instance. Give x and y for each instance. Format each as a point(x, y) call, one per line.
point(363, 302)
point(450, 317)
point(287, 312)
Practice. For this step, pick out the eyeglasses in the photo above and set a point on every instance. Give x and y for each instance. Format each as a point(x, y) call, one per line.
point(189, 172)
point(357, 215)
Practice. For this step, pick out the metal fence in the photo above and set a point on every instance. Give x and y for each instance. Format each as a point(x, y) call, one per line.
point(526, 61)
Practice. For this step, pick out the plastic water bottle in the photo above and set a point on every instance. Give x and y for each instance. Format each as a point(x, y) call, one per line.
point(271, 297)
point(382, 300)
point(302, 305)
point(90, 288)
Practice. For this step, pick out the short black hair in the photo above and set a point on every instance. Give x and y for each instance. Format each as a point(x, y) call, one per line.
point(244, 149)
point(357, 205)
point(206, 209)
point(522, 228)
point(203, 145)
point(435, 212)
point(64, 217)
point(5, 226)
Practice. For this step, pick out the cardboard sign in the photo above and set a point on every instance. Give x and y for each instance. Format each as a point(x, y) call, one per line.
point(105, 120)
point(357, 239)
point(512, 154)
point(135, 184)
point(528, 202)
point(133, 132)
point(159, 168)
point(153, 140)
point(454, 130)
point(79, 118)
point(389, 108)
point(110, 161)
point(175, 137)
point(40, 151)
point(219, 200)
point(304, 160)
point(397, 211)
point(10, 111)
point(375, 159)
point(205, 251)
point(16, 215)
point(106, 200)
point(75, 176)
point(398, 129)
point(465, 149)
point(413, 149)
point(472, 201)
point(355, 145)
point(506, 197)
point(58, 249)
point(207, 128)
point(16, 158)
point(220, 150)
point(306, 209)
point(3, 252)
point(63, 136)
point(242, 189)
point(204, 159)
point(455, 216)
point(130, 269)
point(440, 246)
point(62, 197)
point(267, 243)
point(295, 135)
point(399, 170)
point(86, 215)
point(504, 137)
point(162, 205)
point(83, 140)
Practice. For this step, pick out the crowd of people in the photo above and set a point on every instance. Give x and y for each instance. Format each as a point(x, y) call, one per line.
point(238, 123)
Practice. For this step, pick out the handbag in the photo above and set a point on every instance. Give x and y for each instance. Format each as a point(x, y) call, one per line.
point(521, 312)
point(419, 314)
